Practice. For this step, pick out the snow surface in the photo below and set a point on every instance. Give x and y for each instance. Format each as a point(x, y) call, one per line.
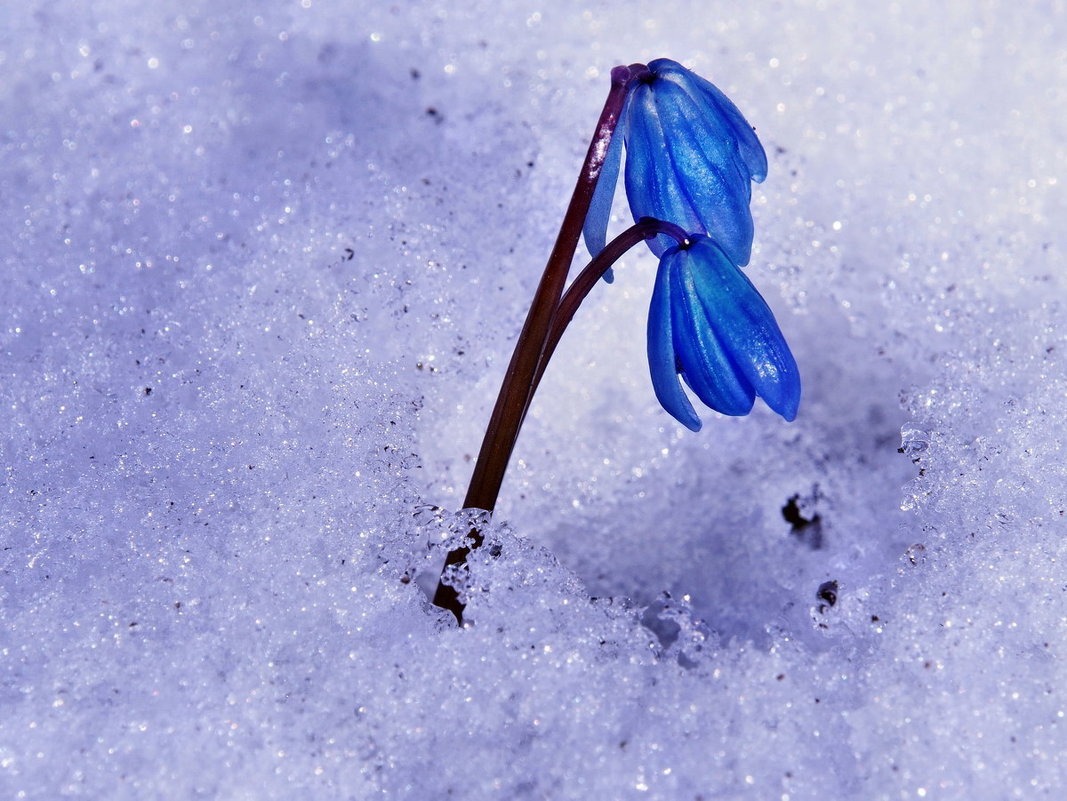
point(263, 265)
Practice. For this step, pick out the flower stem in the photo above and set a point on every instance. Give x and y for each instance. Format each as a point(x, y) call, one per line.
point(646, 228)
point(511, 403)
point(582, 285)
point(513, 400)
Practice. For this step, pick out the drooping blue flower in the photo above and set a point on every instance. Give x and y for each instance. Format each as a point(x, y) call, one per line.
point(709, 324)
point(690, 159)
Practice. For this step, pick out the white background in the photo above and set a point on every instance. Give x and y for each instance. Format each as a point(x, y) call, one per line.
point(263, 265)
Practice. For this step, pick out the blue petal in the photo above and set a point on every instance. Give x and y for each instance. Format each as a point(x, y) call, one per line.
point(746, 326)
point(706, 364)
point(595, 228)
point(706, 134)
point(705, 93)
point(662, 361)
point(708, 172)
point(652, 187)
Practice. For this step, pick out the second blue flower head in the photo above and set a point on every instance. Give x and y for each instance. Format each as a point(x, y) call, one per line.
point(708, 324)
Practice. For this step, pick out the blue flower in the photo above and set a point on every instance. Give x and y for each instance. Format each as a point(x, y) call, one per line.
point(690, 159)
point(709, 324)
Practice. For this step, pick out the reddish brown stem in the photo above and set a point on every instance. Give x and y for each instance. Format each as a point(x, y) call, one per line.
point(646, 228)
point(582, 285)
point(515, 392)
point(510, 407)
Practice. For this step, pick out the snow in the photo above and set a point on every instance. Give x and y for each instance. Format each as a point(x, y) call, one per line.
point(263, 267)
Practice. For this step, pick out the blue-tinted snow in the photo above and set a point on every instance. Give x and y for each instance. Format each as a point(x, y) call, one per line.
point(262, 271)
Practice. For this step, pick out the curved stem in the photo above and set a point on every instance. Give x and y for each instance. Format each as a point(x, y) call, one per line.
point(582, 285)
point(525, 368)
point(510, 407)
point(646, 228)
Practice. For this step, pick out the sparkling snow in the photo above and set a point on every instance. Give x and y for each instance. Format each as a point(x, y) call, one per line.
point(263, 265)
